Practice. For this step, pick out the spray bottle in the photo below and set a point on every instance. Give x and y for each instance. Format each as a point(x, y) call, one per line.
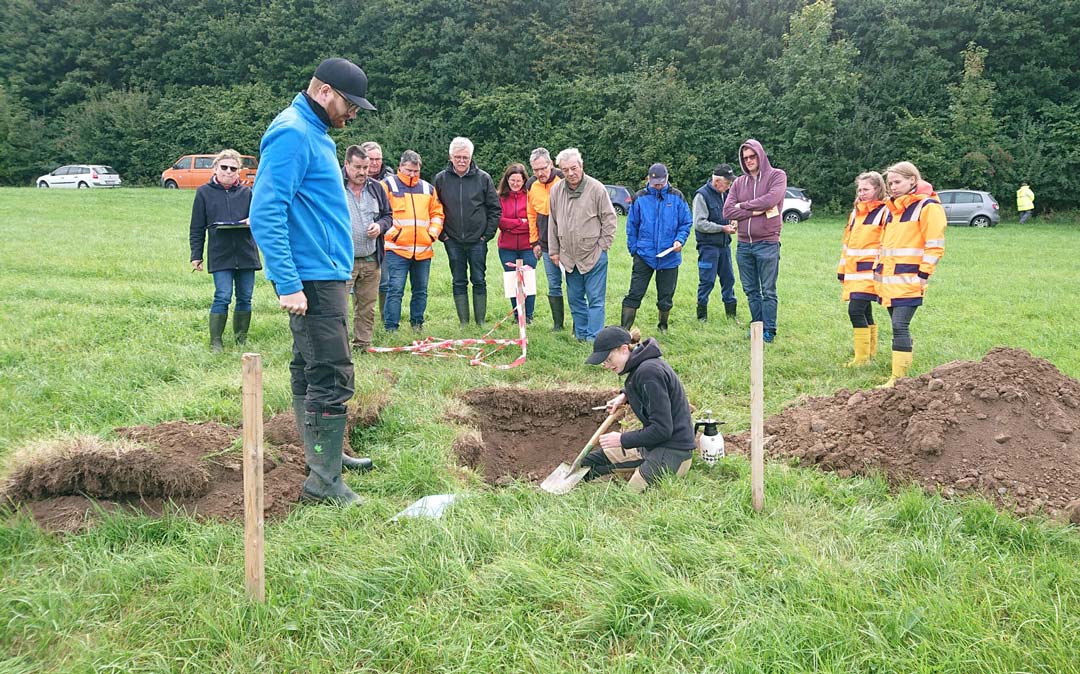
point(710, 443)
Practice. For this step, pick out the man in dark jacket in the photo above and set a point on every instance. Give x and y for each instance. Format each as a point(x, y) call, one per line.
point(713, 233)
point(471, 208)
point(369, 211)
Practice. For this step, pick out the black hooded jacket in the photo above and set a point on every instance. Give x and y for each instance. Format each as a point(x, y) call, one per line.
point(657, 397)
point(218, 211)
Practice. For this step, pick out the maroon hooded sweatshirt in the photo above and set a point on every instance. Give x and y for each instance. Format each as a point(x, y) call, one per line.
point(759, 193)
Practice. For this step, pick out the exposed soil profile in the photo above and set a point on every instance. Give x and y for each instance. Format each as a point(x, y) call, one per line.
point(524, 434)
point(1005, 426)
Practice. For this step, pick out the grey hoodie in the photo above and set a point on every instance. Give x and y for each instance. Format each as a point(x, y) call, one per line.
point(760, 193)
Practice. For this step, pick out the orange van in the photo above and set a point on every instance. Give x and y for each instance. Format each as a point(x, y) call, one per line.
point(194, 170)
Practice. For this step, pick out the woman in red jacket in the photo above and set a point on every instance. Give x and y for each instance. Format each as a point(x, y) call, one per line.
point(858, 256)
point(514, 226)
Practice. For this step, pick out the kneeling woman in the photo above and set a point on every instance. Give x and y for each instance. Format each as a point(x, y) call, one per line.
point(911, 245)
point(665, 442)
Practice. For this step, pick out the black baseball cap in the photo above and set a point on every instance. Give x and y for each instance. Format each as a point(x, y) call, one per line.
point(346, 77)
point(611, 337)
point(723, 171)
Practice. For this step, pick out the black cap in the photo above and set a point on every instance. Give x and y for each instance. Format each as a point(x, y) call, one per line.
point(346, 77)
point(723, 171)
point(611, 337)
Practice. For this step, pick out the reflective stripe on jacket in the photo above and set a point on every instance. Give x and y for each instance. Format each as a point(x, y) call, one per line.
point(418, 217)
point(911, 245)
point(859, 250)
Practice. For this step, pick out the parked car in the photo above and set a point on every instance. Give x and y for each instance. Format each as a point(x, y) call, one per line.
point(194, 170)
point(80, 176)
point(970, 207)
point(796, 205)
point(621, 198)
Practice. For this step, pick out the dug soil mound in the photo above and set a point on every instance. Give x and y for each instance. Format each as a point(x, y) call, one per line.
point(194, 468)
point(524, 435)
point(1005, 427)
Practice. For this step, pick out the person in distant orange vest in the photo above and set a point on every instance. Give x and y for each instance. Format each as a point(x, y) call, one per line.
point(538, 188)
point(858, 256)
point(911, 246)
point(418, 221)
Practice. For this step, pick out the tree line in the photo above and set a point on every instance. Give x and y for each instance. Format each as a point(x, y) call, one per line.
point(977, 94)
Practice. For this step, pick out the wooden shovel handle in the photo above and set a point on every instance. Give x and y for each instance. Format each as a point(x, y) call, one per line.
point(595, 436)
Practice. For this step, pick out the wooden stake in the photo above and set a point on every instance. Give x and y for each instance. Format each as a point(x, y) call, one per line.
point(254, 571)
point(757, 417)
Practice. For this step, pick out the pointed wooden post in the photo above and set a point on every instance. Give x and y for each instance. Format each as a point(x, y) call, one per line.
point(254, 563)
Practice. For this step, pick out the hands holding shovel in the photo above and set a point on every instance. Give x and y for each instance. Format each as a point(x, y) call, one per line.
point(612, 440)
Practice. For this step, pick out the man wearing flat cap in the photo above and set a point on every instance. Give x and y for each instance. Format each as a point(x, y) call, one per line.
point(300, 219)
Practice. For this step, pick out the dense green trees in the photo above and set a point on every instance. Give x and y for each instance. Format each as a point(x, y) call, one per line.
point(977, 94)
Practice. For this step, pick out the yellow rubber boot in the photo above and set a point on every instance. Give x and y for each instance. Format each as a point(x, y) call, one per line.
point(861, 340)
point(901, 363)
point(873, 340)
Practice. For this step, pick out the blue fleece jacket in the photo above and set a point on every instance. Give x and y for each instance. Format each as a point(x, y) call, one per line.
point(299, 215)
point(657, 219)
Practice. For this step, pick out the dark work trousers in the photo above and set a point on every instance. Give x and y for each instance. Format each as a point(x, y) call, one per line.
point(901, 322)
point(321, 369)
point(641, 274)
point(861, 313)
point(468, 264)
point(650, 463)
point(715, 262)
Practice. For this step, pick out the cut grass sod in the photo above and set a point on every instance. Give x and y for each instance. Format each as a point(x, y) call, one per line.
point(105, 326)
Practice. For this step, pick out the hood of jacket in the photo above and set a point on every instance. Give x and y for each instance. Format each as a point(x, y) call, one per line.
point(218, 186)
point(764, 167)
point(647, 350)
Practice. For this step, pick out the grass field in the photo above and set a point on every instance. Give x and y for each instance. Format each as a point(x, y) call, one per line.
point(104, 326)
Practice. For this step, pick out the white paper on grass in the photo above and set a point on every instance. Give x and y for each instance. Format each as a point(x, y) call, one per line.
point(429, 506)
point(510, 283)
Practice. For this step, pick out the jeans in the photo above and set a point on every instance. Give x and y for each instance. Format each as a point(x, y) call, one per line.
point(384, 277)
point(321, 370)
point(554, 276)
point(759, 264)
point(1024, 215)
point(715, 261)
point(468, 264)
point(417, 272)
point(244, 279)
point(641, 274)
point(861, 313)
point(528, 258)
point(364, 286)
point(901, 324)
point(585, 293)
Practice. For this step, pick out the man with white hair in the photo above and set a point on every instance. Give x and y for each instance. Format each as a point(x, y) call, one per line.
point(581, 228)
point(471, 210)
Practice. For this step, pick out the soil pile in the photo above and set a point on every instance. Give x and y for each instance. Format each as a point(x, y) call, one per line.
point(1005, 426)
point(522, 434)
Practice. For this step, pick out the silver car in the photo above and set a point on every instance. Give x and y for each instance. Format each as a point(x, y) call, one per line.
point(970, 207)
point(796, 205)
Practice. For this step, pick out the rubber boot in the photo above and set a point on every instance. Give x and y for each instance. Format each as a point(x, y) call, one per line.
point(901, 363)
point(323, 440)
point(479, 305)
point(217, 329)
point(461, 303)
point(558, 312)
point(628, 316)
point(729, 310)
point(703, 313)
point(873, 340)
point(861, 341)
point(662, 323)
point(241, 321)
point(347, 462)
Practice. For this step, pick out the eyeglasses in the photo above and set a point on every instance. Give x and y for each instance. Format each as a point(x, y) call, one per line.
point(229, 169)
point(349, 105)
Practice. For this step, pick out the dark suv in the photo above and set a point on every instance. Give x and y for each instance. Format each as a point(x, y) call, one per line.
point(621, 198)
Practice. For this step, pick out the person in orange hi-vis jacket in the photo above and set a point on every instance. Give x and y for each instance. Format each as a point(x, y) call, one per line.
point(911, 246)
point(859, 251)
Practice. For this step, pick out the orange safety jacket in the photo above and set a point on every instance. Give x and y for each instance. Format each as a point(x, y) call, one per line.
point(911, 245)
point(538, 208)
point(418, 217)
point(859, 250)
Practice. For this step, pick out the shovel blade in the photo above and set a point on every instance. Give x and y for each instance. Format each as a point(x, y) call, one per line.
point(562, 479)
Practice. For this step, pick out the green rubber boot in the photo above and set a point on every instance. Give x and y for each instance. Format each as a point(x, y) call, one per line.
point(241, 321)
point(217, 329)
point(479, 304)
point(323, 439)
point(347, 462)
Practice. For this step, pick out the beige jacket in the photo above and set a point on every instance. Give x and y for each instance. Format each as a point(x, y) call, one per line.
point(580, 229)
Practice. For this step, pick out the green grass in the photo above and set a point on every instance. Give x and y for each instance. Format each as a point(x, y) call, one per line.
point(103, 325)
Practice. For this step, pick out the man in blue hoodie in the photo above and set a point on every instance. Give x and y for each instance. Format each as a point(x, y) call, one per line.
point(300, 219)
point(657, 227)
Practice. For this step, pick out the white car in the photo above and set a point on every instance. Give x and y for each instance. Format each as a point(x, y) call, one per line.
point(796, 205)
point(80, 176)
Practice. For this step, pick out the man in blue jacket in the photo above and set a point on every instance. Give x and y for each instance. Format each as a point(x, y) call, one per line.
point(657, 227)
point(300, 219)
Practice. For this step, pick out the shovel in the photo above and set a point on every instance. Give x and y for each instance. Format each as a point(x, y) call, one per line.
point(565, 477)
